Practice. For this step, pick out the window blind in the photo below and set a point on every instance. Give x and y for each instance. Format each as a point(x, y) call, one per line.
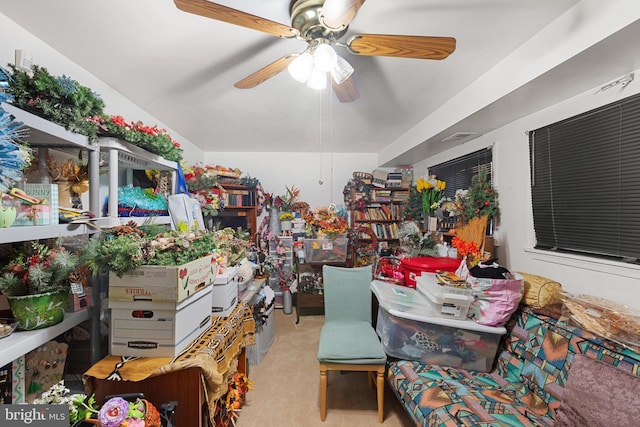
point(457, 173)
point(585, 182)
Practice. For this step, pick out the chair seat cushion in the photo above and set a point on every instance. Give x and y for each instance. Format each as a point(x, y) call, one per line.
point(350, 342)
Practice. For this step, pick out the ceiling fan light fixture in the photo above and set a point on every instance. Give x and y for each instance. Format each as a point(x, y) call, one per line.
point(300, 68)
point(341, 71)
point(325, 57)
point(317, 79)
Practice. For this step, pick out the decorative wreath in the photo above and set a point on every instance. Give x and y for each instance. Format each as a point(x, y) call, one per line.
point(356, 186)
point(365, 248)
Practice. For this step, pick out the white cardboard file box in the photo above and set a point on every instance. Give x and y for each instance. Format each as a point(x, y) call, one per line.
point(158, 329)
point(224, 298)
point(410, 329)
point(265, 335)
point(158, 283)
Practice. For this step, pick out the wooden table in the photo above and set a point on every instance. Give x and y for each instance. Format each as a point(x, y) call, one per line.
point(196, 379)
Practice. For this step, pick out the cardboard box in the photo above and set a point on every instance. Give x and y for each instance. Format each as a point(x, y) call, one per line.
point(45, 214)
point(224, 298)
point(409, 328)
point(158, 283)
point(158, 329)
point(227, 276)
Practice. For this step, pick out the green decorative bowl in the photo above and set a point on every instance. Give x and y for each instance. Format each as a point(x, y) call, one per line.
point(40, 310)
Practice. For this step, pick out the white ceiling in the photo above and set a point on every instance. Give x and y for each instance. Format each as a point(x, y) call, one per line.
point(181, 68)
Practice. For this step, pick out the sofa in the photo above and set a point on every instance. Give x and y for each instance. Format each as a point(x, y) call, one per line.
point(548, 372)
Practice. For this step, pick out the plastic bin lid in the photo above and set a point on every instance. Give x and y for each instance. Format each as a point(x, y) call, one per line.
point(407, 303)
point(431, 263)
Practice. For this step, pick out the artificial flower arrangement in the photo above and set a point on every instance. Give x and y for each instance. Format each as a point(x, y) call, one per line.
point(467, 250)
point(415, 243)
point(326, 220)
point(286, 216)
point(78, 109)
point(127, 247)
point(38, 269)
point(286, 202)
point(202, 182)
point(151, 138)
point(432, 192)
point(116, 412)
point(274, 262)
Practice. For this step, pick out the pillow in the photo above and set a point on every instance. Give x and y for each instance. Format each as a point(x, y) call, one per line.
point(540, 291)
point(598, 394)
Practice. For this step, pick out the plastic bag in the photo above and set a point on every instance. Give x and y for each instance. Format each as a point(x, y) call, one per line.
point(183, 208)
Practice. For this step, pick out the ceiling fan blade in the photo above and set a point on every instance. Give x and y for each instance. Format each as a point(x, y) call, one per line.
point(420, 47)
point(232, 16)
point(339, 13)
point(346, 92)
point(267, 72)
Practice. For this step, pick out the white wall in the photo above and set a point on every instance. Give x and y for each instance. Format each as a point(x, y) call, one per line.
point(515, 234)
point(12, 37)
point(304, 170)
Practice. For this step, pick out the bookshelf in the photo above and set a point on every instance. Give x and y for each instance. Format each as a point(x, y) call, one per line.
point(239, 207)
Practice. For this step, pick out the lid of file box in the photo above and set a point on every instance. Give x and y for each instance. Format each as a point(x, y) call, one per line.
point(228, 275)
point(420, 309)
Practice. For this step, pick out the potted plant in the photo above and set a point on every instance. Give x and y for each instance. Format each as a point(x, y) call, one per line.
point(285, 221)
point(431, 191)
point(37, 280)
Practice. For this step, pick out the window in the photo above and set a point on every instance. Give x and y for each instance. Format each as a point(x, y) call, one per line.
point(457, 173)
point(585, 184)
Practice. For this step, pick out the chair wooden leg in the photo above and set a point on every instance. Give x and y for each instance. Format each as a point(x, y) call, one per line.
point(380, 390)
point(323, 393)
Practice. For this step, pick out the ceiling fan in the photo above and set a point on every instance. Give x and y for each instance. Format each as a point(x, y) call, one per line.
point(322, 23)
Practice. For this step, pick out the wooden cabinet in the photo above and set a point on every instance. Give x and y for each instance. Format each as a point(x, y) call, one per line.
point(310, 287)
point(239, 208)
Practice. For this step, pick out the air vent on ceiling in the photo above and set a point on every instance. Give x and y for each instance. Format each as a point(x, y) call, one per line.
point(461, 136)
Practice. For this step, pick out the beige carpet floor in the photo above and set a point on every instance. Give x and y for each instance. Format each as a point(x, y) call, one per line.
point(286, 386)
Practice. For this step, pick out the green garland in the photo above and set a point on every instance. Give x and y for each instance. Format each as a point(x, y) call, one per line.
point(78, 109)
point(58, 99)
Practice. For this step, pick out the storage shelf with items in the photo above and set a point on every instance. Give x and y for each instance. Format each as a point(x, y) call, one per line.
point(122, 160)
point(45, 135)
point(281, 254)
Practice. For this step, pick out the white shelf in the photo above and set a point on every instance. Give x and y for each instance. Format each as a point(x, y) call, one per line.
point(135, 157)
point(36, 232)
point(21, 342)
point(108, 222)
point(43, 133)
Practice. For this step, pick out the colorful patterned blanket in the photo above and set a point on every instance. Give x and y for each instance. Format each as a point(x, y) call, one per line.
point(525, 387)
point(214, 352)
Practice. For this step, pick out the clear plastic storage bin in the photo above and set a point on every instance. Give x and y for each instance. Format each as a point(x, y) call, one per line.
point(410, 329)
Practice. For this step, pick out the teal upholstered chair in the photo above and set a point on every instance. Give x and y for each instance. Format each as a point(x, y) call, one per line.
point(348, 341)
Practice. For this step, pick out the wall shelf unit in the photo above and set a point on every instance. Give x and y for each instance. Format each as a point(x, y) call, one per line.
point(44, 134)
